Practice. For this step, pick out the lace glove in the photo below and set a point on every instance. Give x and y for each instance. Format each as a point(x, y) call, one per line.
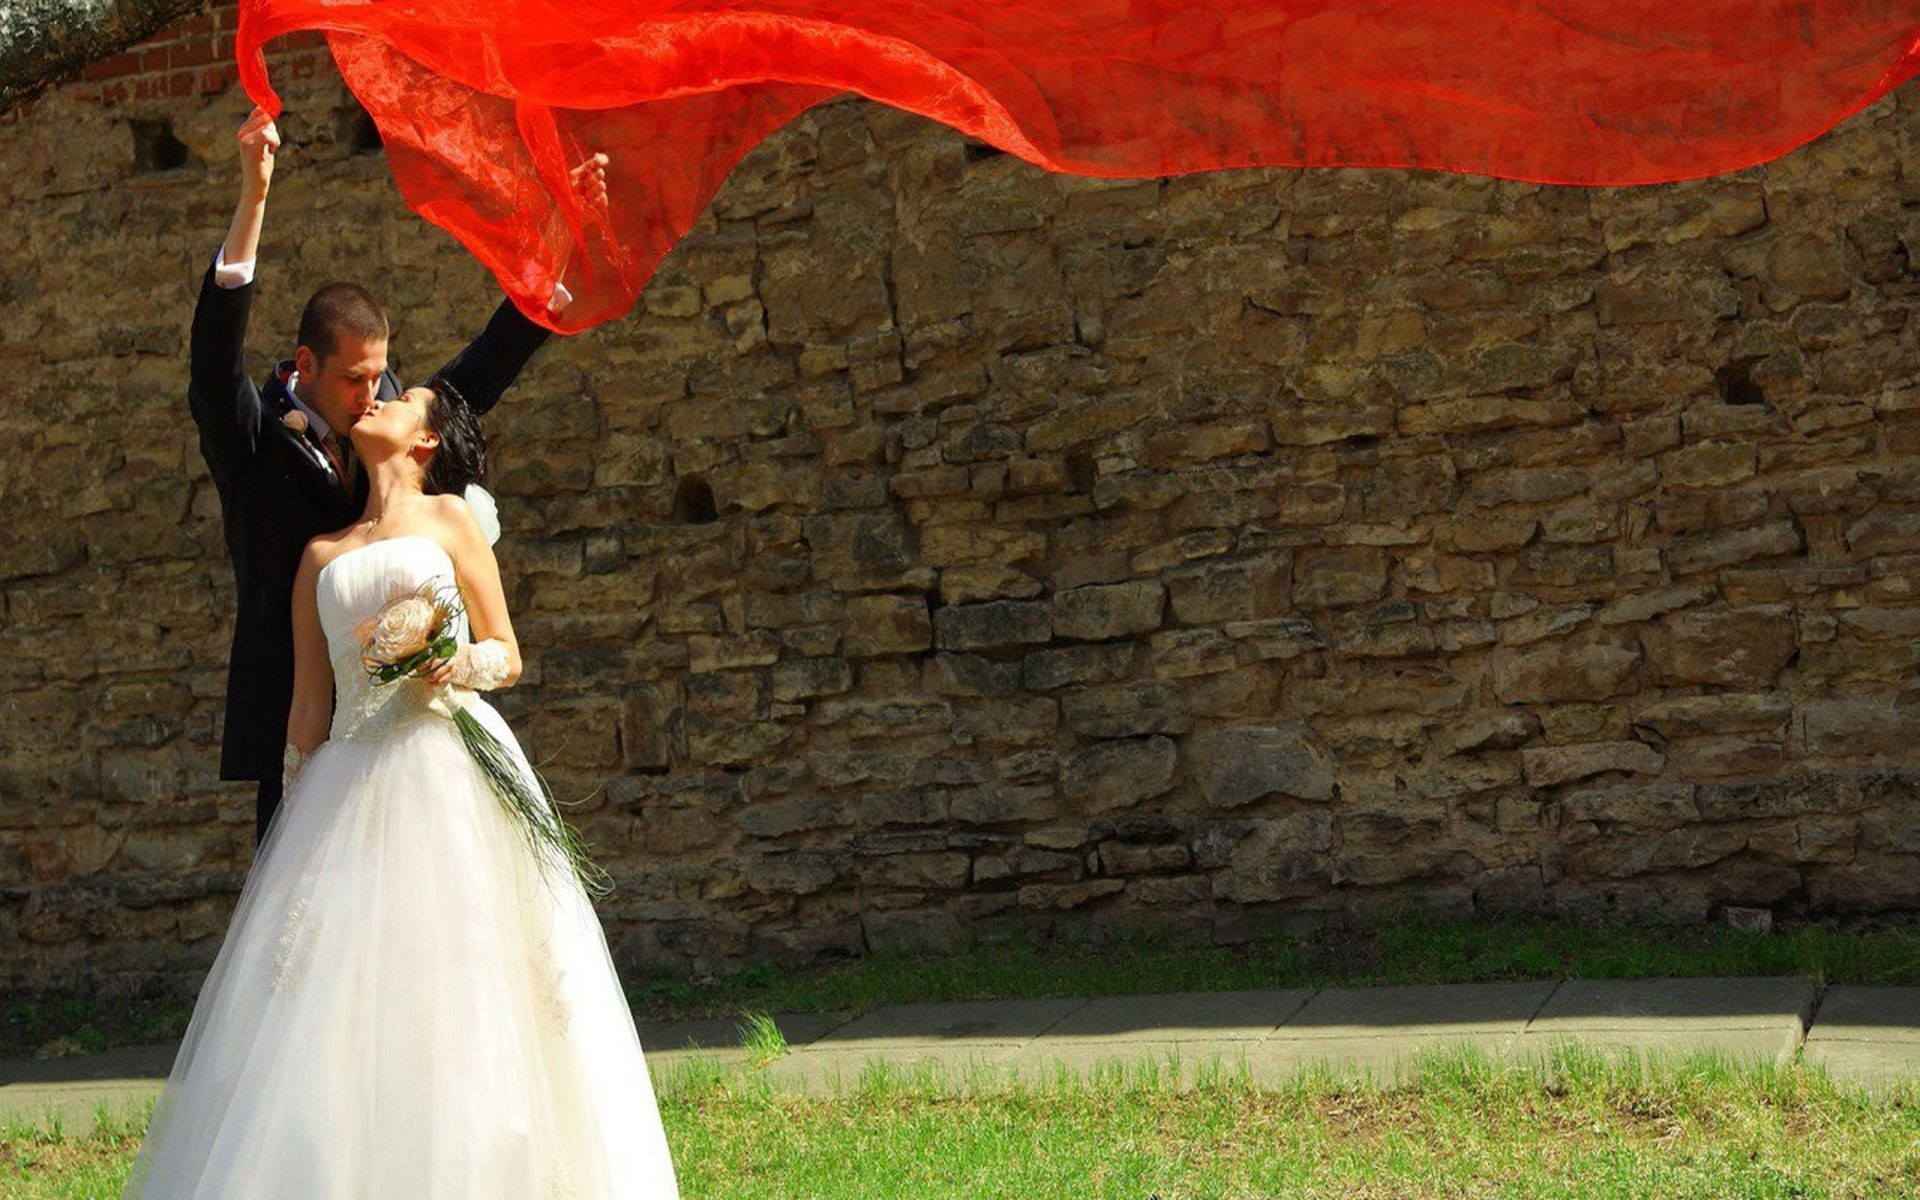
point(292, 759)
point(480, 666)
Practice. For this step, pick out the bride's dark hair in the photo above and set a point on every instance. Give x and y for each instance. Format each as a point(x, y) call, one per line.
point(462, 456)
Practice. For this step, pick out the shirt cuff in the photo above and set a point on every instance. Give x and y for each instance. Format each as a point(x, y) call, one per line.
point(231, 275)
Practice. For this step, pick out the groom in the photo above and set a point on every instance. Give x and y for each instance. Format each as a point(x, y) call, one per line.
point(279, 453)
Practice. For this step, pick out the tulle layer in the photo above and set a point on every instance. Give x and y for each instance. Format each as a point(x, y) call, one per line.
point(485, 107)
point(406, 1008)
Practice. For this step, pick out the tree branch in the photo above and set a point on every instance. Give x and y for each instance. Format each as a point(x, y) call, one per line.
point(45, 42)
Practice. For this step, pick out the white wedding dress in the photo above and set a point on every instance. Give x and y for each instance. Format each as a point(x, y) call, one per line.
point(406, 1006)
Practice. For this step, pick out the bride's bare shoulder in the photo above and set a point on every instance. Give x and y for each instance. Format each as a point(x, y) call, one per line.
point(324, 548)
point(454, 519)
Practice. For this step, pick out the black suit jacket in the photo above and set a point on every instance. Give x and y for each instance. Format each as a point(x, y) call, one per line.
point(276, 494)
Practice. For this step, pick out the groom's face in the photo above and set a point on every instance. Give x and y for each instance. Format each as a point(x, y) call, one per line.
point(342, 385)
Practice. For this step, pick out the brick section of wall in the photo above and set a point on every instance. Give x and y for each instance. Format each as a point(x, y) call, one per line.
point(946, 547)
point(193, 58)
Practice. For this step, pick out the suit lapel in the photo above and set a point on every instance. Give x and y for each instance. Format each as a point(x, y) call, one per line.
point(306, 461)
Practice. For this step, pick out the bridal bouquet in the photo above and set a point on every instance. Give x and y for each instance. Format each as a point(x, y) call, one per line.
point(416, 629)
point(409, 631)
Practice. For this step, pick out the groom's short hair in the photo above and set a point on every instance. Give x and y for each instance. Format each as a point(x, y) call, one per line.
point(337, 311)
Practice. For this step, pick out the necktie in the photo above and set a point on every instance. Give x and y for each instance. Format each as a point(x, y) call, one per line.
point(340, 451)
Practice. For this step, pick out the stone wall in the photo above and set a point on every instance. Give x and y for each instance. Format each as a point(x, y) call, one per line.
point(946, 547)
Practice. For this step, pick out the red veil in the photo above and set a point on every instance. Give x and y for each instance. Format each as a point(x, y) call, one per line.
point(485, 105)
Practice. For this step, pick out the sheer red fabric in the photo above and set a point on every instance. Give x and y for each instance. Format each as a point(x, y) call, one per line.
point(484, 105)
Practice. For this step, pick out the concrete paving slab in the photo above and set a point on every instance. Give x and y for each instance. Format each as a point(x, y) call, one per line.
point(1382, 1059)
point(718, 1055)
point(1869, 1036)
point(1650, 1043)
point(1745, 1020)
point(1184, 1017)
point(1182, 1063)
point(67, 1091)
point(957, 1024)
point(72, 1106)
point(1476, 1010)
point(1867, 1014)
point(1877, 1067)
point(709, 1033)
point(799, 1029)
point(1588, 1006)
point(824, 1070)
point(130, 1062)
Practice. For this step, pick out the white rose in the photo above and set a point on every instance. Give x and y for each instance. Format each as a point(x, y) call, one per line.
point(401, 629)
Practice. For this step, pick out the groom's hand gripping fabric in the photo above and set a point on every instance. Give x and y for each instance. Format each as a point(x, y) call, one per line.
point(258, 139)
point(491, 362)
point(259, 144)
point(225, 405)
point(589, 181)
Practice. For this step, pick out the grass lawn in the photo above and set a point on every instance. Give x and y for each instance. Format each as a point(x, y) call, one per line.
point(1580, 1129)
point(1409, 950)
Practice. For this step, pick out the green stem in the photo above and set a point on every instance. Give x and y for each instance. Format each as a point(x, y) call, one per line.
point(529, 801)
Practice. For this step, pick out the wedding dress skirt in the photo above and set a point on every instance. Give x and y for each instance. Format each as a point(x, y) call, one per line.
point(407, 1006)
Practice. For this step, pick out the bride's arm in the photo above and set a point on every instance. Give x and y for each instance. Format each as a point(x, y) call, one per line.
point(312, 709)
point(478, 571)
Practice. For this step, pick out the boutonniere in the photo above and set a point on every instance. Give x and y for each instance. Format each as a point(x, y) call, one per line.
point(297, 423)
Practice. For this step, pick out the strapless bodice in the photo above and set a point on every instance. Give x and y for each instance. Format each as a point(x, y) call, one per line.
point(351, 588)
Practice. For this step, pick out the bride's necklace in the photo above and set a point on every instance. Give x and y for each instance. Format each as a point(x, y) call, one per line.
point(375, 519)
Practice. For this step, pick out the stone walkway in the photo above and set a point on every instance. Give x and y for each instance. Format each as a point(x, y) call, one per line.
point(1869, 1036)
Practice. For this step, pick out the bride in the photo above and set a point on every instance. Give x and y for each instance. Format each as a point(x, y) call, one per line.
point(412, 1002)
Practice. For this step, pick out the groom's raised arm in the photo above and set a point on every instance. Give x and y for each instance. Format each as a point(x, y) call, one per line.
point(224, 403)
point(222, 399)
point(491, 362)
